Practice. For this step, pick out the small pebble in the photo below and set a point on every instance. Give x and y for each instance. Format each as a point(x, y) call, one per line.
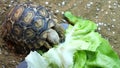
point(114, 4)
point(11, 1)
point(118, 5)
point(114, 13)
point(113, 26)
point(74, 4)
point(102, 9)
point(13, 61)
point(91, 3)
point(109, 29)
point(46, 3)
point(97, 24)
point(56, 11)
point(96, 16)
point(99, 28)
point(62, 12)
point(112, 46)
point(113, 32)
point(63, 3)
point(59, 4)
point(97, 9)
point(113, 19)
point(109, 6)
point(105, 24)
point(106, 12)
point(109, 2)
point(9, 5)
point(100, 23)
point(88, 5)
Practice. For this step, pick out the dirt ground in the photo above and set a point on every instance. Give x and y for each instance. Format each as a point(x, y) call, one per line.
point(105, 13)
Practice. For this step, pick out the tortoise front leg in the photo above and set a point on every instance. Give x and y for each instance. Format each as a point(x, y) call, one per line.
point(61, 32)
point(51, 36)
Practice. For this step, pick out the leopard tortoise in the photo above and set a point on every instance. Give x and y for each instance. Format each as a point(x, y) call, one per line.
point(29, 27)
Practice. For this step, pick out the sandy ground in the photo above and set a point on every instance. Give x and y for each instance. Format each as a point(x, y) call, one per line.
point(105, 13)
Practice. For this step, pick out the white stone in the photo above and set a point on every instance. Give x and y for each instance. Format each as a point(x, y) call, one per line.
point(102, 9)
point(75, 4)
point(113, 32)
point(12, 1)
point(105, 24)
point(109, 2)
point(97, 9)
point(109, 6)
point(91, 2)
point(106, 12)
point(113, 19)
point(62, 12)
point(88, 5)
point(59, 4)
point(57, 11)
point(99, 28)
point(46, 3)
point(109, 29)
point(113, 26)
point(9, 5)
point(96, 16)
point(63, 3)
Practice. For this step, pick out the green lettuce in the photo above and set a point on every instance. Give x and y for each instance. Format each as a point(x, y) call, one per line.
point(83, 48)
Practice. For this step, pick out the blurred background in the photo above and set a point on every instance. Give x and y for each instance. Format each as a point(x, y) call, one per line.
point(105, 13)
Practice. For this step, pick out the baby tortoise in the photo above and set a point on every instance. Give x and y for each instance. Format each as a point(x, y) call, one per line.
point(29, 27)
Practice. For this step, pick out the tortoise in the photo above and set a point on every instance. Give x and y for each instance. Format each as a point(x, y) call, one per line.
point(30, 27)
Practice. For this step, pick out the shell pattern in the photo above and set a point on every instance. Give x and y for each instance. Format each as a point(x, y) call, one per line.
point(25, 23)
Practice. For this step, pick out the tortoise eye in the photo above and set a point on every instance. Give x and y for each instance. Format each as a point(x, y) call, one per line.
point(39, 23)
point(28, 17)
point(18, 13)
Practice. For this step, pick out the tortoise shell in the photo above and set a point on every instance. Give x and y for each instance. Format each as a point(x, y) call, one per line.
point(25, 23)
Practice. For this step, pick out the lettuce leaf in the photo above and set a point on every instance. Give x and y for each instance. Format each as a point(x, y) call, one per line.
point(83, 48)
